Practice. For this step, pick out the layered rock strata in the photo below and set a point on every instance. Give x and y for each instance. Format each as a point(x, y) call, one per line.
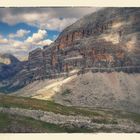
point(103, 41)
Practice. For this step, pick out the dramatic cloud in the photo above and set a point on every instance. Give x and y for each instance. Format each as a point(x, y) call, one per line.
point(19, 34)
point(38, 39)
point(11, 46)
point(58, 24)
point(44, 18)
point(37, 36)
point(21, 48)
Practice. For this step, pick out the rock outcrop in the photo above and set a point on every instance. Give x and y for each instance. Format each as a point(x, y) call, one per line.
point(106, 40)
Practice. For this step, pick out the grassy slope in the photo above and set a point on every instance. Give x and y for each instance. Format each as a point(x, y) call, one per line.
point(99, 115)
point(29, 103)
point(19, 124)
point(14, 123)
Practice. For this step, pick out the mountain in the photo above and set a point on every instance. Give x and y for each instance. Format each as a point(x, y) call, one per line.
point(26, 115)
point(107, 40)
point(104, 41)
point(9, 66)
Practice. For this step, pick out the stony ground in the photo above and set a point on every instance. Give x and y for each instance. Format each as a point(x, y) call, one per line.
point(120, 125)
point(116, 90)
point(18, 114)
point(109, 90)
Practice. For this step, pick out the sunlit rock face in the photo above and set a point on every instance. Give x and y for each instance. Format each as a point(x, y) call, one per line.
point(107, 39)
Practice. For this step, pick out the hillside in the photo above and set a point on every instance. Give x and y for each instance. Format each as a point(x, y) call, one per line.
point(109, 90)
point(32, 115)
point(10, 123)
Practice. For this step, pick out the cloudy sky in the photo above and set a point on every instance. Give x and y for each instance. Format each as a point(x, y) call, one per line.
point(24, 29)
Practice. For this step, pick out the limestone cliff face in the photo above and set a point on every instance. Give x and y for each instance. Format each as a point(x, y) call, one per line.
point(107, 40)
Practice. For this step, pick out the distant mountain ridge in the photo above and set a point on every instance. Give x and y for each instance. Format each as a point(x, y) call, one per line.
point(7, 58)
point(9, 67)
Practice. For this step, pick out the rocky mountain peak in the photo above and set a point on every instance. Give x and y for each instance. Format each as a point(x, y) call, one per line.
point(8, 59)
point(104, 41)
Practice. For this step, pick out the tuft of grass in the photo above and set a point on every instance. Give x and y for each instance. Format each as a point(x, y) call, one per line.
point(4, 120)
point(133, 116)
point(66, 92)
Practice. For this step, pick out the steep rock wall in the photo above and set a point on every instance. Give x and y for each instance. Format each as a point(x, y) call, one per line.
point(106, 39)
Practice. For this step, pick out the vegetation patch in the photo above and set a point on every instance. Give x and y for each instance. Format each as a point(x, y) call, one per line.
point(18, 124)
point(30, 103)
point(98, 115)
point(66, 92)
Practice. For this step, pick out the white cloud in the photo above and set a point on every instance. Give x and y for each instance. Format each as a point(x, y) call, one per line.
point(3, 40)
point(19, 34)
point(12, 45)
point(45, 22)
point(40, 20)
point(21, 48)
point(36, 37)
point(44, 18)
point(57, 23)
point(44, 42)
